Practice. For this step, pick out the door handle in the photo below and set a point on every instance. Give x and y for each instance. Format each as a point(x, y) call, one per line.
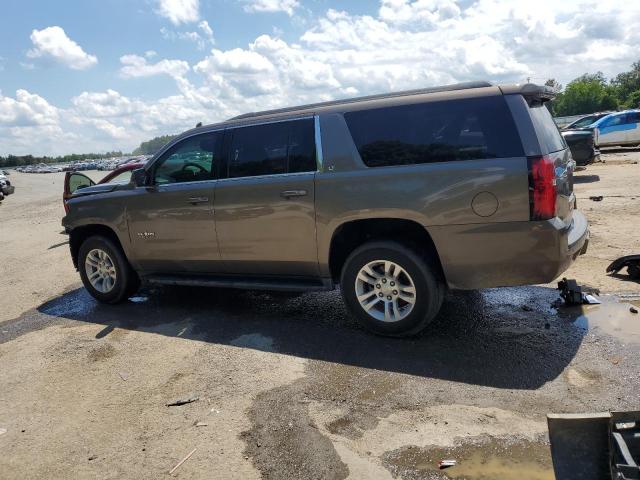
point(293, 193)
point(196, 200)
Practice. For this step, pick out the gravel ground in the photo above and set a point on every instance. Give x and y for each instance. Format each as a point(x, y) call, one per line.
point(289, 386)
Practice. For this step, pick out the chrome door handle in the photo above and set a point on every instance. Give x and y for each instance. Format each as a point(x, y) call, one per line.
point(196, 200)
point(293, 193)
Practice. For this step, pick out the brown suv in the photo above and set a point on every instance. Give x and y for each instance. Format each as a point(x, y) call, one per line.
point(395, 197)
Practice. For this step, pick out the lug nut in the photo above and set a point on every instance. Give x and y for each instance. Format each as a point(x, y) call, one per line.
point(381, 294)
point(378, 285)
point(395, 292)
point(388, 297)
point(393, 284)
point(384, 280)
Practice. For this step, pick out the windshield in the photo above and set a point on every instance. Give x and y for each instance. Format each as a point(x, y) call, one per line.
point(583, 122)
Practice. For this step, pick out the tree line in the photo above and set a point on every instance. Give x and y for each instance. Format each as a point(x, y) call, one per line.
point(592, 92)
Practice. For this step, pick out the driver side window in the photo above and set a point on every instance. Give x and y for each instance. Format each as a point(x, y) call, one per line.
point(191, 160)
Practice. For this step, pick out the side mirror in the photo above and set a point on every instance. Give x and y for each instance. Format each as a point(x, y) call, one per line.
point(139, 177)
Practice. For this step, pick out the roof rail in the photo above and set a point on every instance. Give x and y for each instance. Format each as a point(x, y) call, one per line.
point(444, 88)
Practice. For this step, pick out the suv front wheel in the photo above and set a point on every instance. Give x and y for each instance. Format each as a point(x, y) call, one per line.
point(105, 271)
point(390, 289)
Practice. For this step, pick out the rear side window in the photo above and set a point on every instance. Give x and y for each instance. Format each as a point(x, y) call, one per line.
point(464, 129)
point(546, 129)
point(271, 149)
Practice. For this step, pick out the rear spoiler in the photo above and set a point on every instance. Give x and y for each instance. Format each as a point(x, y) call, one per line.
point(535, 95)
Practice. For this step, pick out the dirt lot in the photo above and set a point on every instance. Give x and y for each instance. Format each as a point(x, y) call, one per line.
point(291, 387)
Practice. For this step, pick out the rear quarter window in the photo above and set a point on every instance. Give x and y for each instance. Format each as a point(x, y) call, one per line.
point(462, 129)
point(546, 129)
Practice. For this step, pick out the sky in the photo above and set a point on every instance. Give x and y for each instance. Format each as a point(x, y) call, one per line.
point(79, 76)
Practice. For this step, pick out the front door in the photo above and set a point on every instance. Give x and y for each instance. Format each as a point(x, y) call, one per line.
point(265, 215)
point(171, 222)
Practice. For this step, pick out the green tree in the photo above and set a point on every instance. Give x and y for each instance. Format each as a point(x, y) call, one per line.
point(627, 83)
point(586, 94)
point(152, 146)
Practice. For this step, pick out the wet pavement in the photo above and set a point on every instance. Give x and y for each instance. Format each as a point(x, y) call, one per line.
point(475, 385)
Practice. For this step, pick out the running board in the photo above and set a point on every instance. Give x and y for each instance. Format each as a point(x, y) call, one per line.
point(246, 283)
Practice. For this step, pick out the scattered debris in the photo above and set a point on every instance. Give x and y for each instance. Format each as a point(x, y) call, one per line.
point(632, 262)
point(633, 309)
point(442, 464)
point(138, 299)
point(526, 308)
point(572, 293)
point(201, 424)
point(596, 198)
point(123, 375)
point(3, 431)
point(93, 457)
point(615, 360)
point(182, 461)
point(183, 401)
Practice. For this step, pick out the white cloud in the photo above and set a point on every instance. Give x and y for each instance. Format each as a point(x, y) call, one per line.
point(201, 39)
point(136, 66)
point(150, 53)
point(53, 43)
point(405, 44)
point(27, 109)
point(179, 11)
point(271, 6)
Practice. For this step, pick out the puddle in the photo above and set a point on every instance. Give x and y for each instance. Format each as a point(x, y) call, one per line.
point(612, 316)
point(503, 459)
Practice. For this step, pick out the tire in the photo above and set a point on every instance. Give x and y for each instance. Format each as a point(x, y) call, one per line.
point(126, 280)
point(411, 315)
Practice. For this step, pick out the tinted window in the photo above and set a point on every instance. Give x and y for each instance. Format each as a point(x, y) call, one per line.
point(633, 117)
point(435, 132)
point(302, 147)
point(77, 181)
point(274, 148)
point(190, 160)
point(546, 129)
point(583, 122)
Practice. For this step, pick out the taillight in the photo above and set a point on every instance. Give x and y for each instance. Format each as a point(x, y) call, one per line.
point(542, 188)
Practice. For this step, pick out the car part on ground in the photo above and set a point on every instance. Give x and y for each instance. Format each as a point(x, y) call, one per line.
point(466, 186)
point(632, 262)
point(573, 294)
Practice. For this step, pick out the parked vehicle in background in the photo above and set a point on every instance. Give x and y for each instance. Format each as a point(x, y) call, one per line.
point(74, 181)
point(585, 121)
point(617, 129)
point(582, 146)
point(5, 186)
point(394, 197)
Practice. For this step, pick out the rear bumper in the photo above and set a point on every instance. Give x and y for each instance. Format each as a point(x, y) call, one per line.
point(509, 254)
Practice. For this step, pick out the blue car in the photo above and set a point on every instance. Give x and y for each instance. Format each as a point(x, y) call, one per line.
point(620, 128)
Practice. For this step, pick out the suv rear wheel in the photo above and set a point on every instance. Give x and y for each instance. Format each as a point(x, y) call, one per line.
point(105, 271)
point(390, 289)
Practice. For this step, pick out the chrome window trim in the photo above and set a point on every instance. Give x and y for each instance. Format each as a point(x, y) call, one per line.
point(270, 175)
point(318, 137)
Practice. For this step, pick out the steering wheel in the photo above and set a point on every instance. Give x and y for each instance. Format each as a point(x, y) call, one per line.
point(200, 167)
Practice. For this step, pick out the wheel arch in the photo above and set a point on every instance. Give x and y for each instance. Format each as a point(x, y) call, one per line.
point(351, 234)
point(79, 234)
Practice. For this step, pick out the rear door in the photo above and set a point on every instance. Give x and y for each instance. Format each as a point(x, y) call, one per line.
point(171, 223)
point(265, 215)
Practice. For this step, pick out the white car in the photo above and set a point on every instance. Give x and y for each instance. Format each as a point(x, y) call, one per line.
point(620, 128)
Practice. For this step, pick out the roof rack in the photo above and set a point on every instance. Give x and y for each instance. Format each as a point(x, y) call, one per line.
point(444, 88)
